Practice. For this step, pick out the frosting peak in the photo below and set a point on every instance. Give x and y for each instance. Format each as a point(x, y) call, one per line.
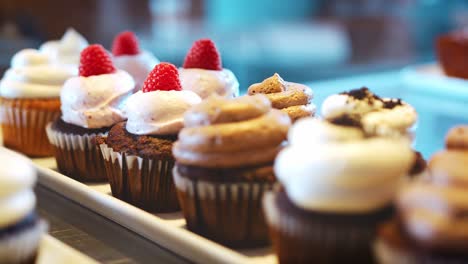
point(225, 133)
point(67, 49)
point(291, 98)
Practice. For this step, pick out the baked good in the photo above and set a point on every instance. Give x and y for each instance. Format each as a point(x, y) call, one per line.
point(224, 157)
point(338, 186)
point(292, 98)
point(91, 104)
point(128, 56)
point(20, 228)
point(204, 74)
point(65, 51)
point(138, 153)
point(29, 99)
point(452, 53)
point(431, 224)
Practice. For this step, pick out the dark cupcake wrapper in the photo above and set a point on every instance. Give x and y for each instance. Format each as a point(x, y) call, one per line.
point(22, 246)
point(143, 182)
point(77, 156)
point(300, 238)
point(227, 212)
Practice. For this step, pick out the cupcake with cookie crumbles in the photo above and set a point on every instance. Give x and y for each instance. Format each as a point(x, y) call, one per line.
point(224, 164)
point(91, 104)
point(431, 226)
point(338, 186)
point(138, 153)
point(203, 72)
point(292, 98)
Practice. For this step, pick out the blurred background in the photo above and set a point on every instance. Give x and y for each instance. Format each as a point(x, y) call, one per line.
point(303, 40)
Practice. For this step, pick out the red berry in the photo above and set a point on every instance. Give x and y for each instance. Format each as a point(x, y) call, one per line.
point(164, 77)
point(95, 60)
point(203, 55)
point(125, 43)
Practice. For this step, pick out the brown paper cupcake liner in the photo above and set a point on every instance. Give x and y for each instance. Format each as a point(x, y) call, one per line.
point(320, 239)
point(229, 213)
point(143, 182)
point(77, 156)
point(23, 127)
point(22, 247)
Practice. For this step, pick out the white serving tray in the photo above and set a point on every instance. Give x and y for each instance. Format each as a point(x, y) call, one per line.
point(52, 251)
point(167, 230)
point(431, 80)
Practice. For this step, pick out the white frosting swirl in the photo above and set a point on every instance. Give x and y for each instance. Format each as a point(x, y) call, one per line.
point(66, 50)
point(17, 177)
point(138, 66)
point(96, 101)
point(32, 75)
point(207, 82)
point(158, 112)
point(343, 174)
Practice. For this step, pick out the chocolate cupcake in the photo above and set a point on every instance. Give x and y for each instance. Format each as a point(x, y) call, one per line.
point(431, 224)
point(21, 229)
point(292, 98)
point(91, 104)
point(338, 186)
point(452, 53)
point(138, 153)
point(224, 159)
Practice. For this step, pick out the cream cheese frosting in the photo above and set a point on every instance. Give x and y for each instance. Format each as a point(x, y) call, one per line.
point(376, 116)
point(207, 82)
point(96, 101)
point(66, 50)
point(17, 177)
point(158, 112)
point(33, 75)
point(138, 66)
point(345, 173)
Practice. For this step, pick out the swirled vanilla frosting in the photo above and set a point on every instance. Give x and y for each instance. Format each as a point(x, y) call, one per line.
point(376, 116)
point(231, 133)
point(65, 51)
point(17, 178)
point(292, 98)
point(207, 82)
point(331, 168)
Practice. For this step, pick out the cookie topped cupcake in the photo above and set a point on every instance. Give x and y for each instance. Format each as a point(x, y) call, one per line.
point(376, 116)
point(292, 98)
point(204, 74)
point(128, 56)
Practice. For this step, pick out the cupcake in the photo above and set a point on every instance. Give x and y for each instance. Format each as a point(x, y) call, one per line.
point(128, 57)
point(29, 99)
point(337, 187)
point(91, 104)
point(292, 98)
point(431, 224)
point(138, 153)
point(65, 51)
point(224, 164)
point(204, 74)
point(376, 116)
point(20, 228)
point(452, 53)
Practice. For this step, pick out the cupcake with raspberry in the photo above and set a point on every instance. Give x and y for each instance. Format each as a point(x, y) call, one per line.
point(204, 74)
point(292, 98)
point(128, 56)
point(224, 164)
point(29, 99)
point(138, 153)
point(338, 186)
point(91, 104)
point(21, 229)
point(431, 226)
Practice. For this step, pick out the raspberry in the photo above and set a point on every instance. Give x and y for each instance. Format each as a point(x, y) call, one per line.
point(95, 60)
point(164, 77)
point(203, 55)
point(125, 43)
